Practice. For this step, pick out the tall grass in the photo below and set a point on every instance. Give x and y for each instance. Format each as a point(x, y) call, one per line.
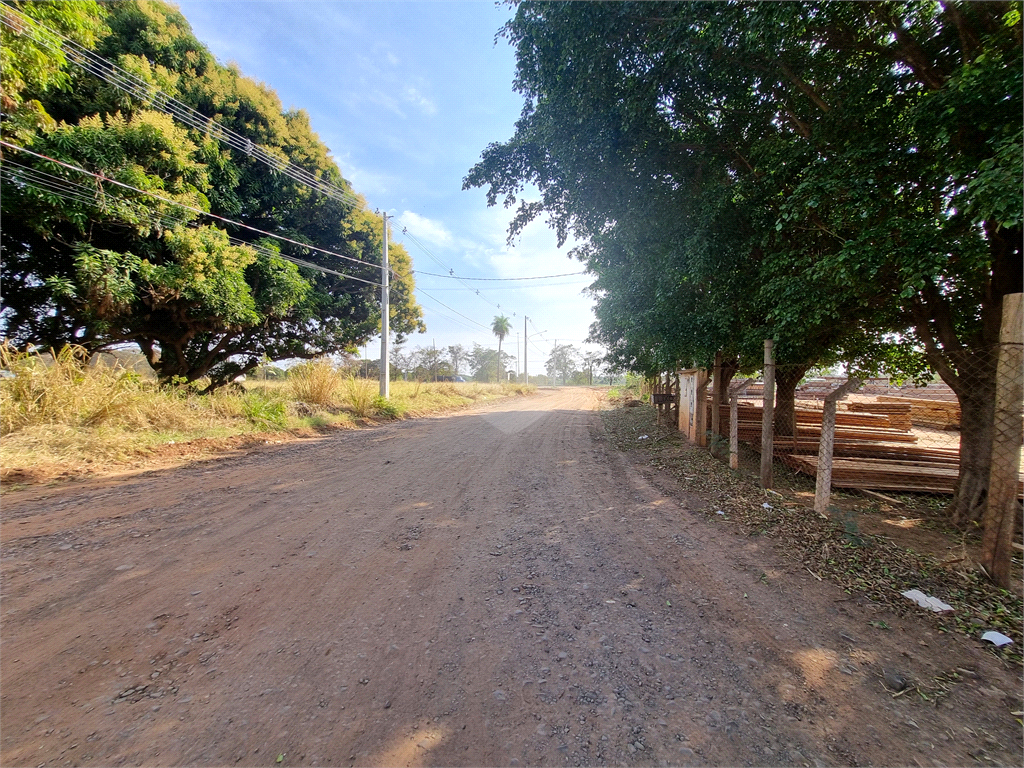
point(358, 395)
point(63, 389)
point(65, 411)
point(316, 382)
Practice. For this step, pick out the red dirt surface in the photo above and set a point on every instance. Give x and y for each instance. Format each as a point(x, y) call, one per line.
point(497, 587)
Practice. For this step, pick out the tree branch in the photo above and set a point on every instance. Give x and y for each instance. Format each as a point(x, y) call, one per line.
point(910, 52)
point(805, 87)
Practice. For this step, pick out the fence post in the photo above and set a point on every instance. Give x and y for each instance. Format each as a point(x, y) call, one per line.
point(999, 517)
point(716, 395)
point(675, 402)
point(823, 476)
point(767, 416)
point(734, 430)
point(700, 416)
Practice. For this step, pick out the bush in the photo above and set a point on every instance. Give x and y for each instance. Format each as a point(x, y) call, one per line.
point(386, 408)
point(66, 388)
point(263, 411)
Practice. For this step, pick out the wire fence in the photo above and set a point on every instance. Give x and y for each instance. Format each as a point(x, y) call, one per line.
point(893, 439)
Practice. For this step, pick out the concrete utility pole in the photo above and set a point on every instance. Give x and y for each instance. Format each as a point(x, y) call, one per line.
point(768, 416)
point(385, 360)
point(526, 340)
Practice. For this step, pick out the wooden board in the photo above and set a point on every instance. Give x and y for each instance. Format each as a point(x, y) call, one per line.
point(939, 414)
point(887, 474)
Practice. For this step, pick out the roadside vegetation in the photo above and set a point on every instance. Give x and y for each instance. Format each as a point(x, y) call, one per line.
point(916, 550)
point(62, 415)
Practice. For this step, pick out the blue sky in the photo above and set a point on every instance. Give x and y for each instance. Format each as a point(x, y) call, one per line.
point(407, 95)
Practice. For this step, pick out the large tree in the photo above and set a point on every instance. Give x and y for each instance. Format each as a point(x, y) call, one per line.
point(90, 263)
point(868, 153)
point(563, 360)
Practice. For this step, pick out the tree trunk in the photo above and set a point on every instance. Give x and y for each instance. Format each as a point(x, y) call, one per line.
point(786, 379)
point(1003, 510)
point(976, 393)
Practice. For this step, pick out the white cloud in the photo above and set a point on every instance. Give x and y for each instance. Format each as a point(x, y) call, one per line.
point(416, 98)
point(423, 228)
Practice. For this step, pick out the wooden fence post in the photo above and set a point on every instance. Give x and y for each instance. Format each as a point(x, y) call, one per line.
point(767, 416)
point(734, 430)
point(823, 476)
point(999, 517)
point(701, 414)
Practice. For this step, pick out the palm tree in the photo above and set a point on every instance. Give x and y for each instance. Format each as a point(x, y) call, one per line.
point(501, 327)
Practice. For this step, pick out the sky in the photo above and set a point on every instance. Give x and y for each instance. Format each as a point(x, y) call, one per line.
point(407, 95)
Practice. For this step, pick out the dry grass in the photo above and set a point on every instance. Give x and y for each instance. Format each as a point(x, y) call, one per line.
point(60, 409)
point(421, 399)
point(64, 411)
point(316, 382)
point(358, 395)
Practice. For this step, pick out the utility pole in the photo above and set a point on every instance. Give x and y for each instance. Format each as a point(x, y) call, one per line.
point(526, 340)
point(385, 360)
point(517, 355)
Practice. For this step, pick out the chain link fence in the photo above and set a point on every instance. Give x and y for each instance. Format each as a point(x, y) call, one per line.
point(901, 440)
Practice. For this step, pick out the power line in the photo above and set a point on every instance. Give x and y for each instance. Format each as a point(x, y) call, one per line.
point(501, 279)
point(420, 290)
point(125, 81)
point(510, 287)
point(171, 201)
point(70, 192)
point(451, 272)
point(153, 97)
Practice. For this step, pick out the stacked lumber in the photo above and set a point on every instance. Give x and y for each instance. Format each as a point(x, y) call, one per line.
point(817, 389)
point(849, 426)
point(887, 474)
point(898, 413)
point(939, 414)
point(937, 390)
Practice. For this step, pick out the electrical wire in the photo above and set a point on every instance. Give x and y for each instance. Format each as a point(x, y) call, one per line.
point(509, 287)
point(474, 322)
point(501, 279)
point(125, 81)
point(171, 201)
point(73, 192)
point(451, 272)
point(164, 220)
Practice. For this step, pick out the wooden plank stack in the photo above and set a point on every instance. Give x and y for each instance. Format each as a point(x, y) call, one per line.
point(938, 414)
point(872, 450)
point(888, 475)
point(849, 427)
point(898, 413)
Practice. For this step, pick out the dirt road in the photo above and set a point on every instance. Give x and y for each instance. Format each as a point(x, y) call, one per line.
point(497, 587)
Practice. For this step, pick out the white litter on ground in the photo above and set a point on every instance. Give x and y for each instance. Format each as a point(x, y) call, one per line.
point(996, 638)
point(927, 601)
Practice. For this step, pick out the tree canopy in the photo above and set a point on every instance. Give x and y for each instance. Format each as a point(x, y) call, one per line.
point(94, 264)
point(844, 178)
